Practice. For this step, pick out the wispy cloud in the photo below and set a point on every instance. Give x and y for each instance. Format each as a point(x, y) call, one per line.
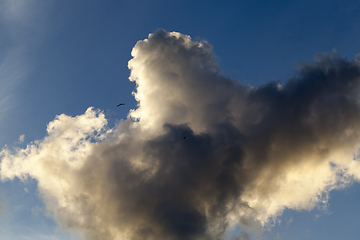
point(13, 63)
point(12, 70)
point(22, 26)
point(249, 152)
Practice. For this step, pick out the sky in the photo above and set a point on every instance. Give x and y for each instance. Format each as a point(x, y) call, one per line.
point(266, 94)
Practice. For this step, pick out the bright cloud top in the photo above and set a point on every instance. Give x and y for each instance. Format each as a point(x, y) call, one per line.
point(249, 152)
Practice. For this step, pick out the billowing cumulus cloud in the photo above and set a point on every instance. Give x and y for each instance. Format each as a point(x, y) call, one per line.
point(249, 152)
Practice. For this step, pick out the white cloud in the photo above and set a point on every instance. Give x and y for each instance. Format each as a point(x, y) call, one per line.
point(249, 152)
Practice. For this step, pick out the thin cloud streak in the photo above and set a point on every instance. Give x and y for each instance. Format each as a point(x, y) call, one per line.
point(250, 152)
point(21, 32)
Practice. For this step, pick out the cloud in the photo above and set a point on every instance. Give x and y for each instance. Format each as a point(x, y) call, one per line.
point(23, 29)
point(250, 152)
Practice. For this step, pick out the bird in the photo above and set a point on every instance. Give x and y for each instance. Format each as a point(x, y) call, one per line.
point(183, 137)
point(120, 104)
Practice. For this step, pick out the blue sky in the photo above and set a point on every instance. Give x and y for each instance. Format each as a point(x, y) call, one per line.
point(65, 56)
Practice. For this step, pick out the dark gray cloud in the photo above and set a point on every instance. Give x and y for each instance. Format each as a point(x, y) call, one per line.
point(249, 152)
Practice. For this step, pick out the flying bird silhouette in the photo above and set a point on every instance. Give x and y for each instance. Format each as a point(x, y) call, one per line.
point(183, 137)
point(120, 104)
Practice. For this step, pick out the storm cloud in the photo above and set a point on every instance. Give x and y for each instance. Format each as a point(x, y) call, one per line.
point(249, 152)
